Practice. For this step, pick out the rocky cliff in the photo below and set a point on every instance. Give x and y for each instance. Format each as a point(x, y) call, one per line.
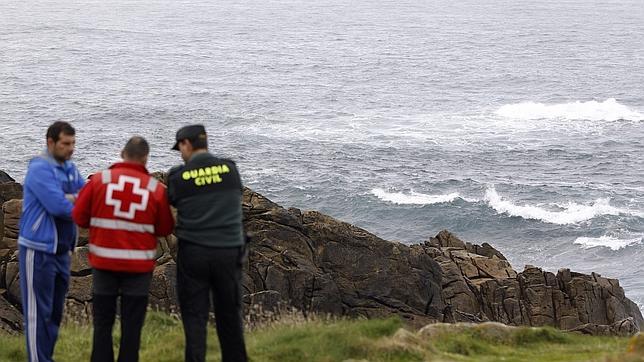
point(316, 264)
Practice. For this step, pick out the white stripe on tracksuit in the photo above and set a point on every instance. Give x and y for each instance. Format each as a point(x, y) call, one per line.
point(32, 307)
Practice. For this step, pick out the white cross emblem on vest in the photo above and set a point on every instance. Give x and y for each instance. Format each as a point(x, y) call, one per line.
point(119, 194)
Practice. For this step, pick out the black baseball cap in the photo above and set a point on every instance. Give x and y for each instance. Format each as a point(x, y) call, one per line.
point(191, 133)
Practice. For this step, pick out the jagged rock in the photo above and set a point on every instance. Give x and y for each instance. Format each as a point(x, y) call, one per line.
point(163, 295)
point(173, 245)
point(465, 269)
point(77, 312)
point(11, 210)
point(623, 328)
point(254, 203)
point(484, 250)
point(80, 289)
point(479, 285)
point(167, 249)
point(8, 244)
point(5, 256)
point(83, 237)
point(10, 317)
point(503, 302)
point(445, 239)
point(456, 290)
point(12, 281)
point(10, 191)
point(80, 262)
point(287, 272)
point(4, 177)
point(319, 264)
point(374, 277)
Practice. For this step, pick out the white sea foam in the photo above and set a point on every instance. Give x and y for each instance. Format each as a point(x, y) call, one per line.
point(413, 198)
point(570, 213)
point(608, 110)
point(607, 241)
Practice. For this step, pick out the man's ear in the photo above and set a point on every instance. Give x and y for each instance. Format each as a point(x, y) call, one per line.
point(123, 154)
point(50, 142)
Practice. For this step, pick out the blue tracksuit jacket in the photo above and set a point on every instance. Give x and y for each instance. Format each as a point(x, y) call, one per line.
point(46, 214)
point(47, 233)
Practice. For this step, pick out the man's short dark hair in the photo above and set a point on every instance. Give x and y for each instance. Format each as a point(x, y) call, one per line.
point(136, 148)
point(59, 127)
point(200, 142)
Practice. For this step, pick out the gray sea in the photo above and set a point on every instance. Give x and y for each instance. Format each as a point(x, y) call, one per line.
point(516, 123)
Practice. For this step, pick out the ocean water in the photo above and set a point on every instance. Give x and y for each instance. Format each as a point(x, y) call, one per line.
point(520, 124)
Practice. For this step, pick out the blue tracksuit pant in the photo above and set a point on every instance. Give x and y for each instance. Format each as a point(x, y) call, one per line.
point(44, 280)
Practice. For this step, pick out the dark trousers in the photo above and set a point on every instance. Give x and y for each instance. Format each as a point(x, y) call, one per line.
point(200, 272)
point(133, 289)
point(44, 280)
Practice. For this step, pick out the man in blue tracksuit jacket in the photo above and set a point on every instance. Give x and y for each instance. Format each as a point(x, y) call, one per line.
point(47, 237)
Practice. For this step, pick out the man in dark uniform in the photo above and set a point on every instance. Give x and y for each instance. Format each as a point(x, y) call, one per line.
point(207, 193)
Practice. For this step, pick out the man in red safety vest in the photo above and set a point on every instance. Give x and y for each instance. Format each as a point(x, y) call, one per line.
point(125, 210)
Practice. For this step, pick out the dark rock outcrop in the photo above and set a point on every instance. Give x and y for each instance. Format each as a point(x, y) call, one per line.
point(316, 264)
point(4, 177)
point(163, 294)
point(444, 279)
point(11, 210)
point(11, 278)
point(10, 317)
point(8, 191)
point(621, 328)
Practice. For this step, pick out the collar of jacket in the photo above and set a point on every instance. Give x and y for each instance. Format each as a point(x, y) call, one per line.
point(131, 165)
point(200, 155)
point(47, 156)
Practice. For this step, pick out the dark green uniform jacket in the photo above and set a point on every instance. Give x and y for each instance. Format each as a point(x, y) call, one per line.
point(207, 193)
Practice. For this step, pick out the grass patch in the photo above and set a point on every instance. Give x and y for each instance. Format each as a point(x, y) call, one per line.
point(323, 339)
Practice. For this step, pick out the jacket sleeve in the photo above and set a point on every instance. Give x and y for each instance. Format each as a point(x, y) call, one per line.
point(42, 182)
point(171, 192)
point(82, 212)
point(164, 221)
point(80, 181)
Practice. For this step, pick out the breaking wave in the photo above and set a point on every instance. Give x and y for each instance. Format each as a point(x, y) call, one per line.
point(607, 242)
point(608, 110)
point(413, 198)
point(570, 213)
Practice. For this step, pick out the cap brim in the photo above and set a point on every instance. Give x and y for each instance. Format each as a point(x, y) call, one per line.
point(176, 146)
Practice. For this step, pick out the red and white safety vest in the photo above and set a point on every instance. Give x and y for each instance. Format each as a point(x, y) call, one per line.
point(125, 210)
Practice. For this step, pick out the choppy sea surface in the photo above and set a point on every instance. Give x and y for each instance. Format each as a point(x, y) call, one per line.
point(520, 124)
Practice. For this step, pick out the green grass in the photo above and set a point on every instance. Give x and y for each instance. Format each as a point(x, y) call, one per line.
point(359, 340)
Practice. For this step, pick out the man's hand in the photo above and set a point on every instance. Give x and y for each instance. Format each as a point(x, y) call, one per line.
point(71, 198)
